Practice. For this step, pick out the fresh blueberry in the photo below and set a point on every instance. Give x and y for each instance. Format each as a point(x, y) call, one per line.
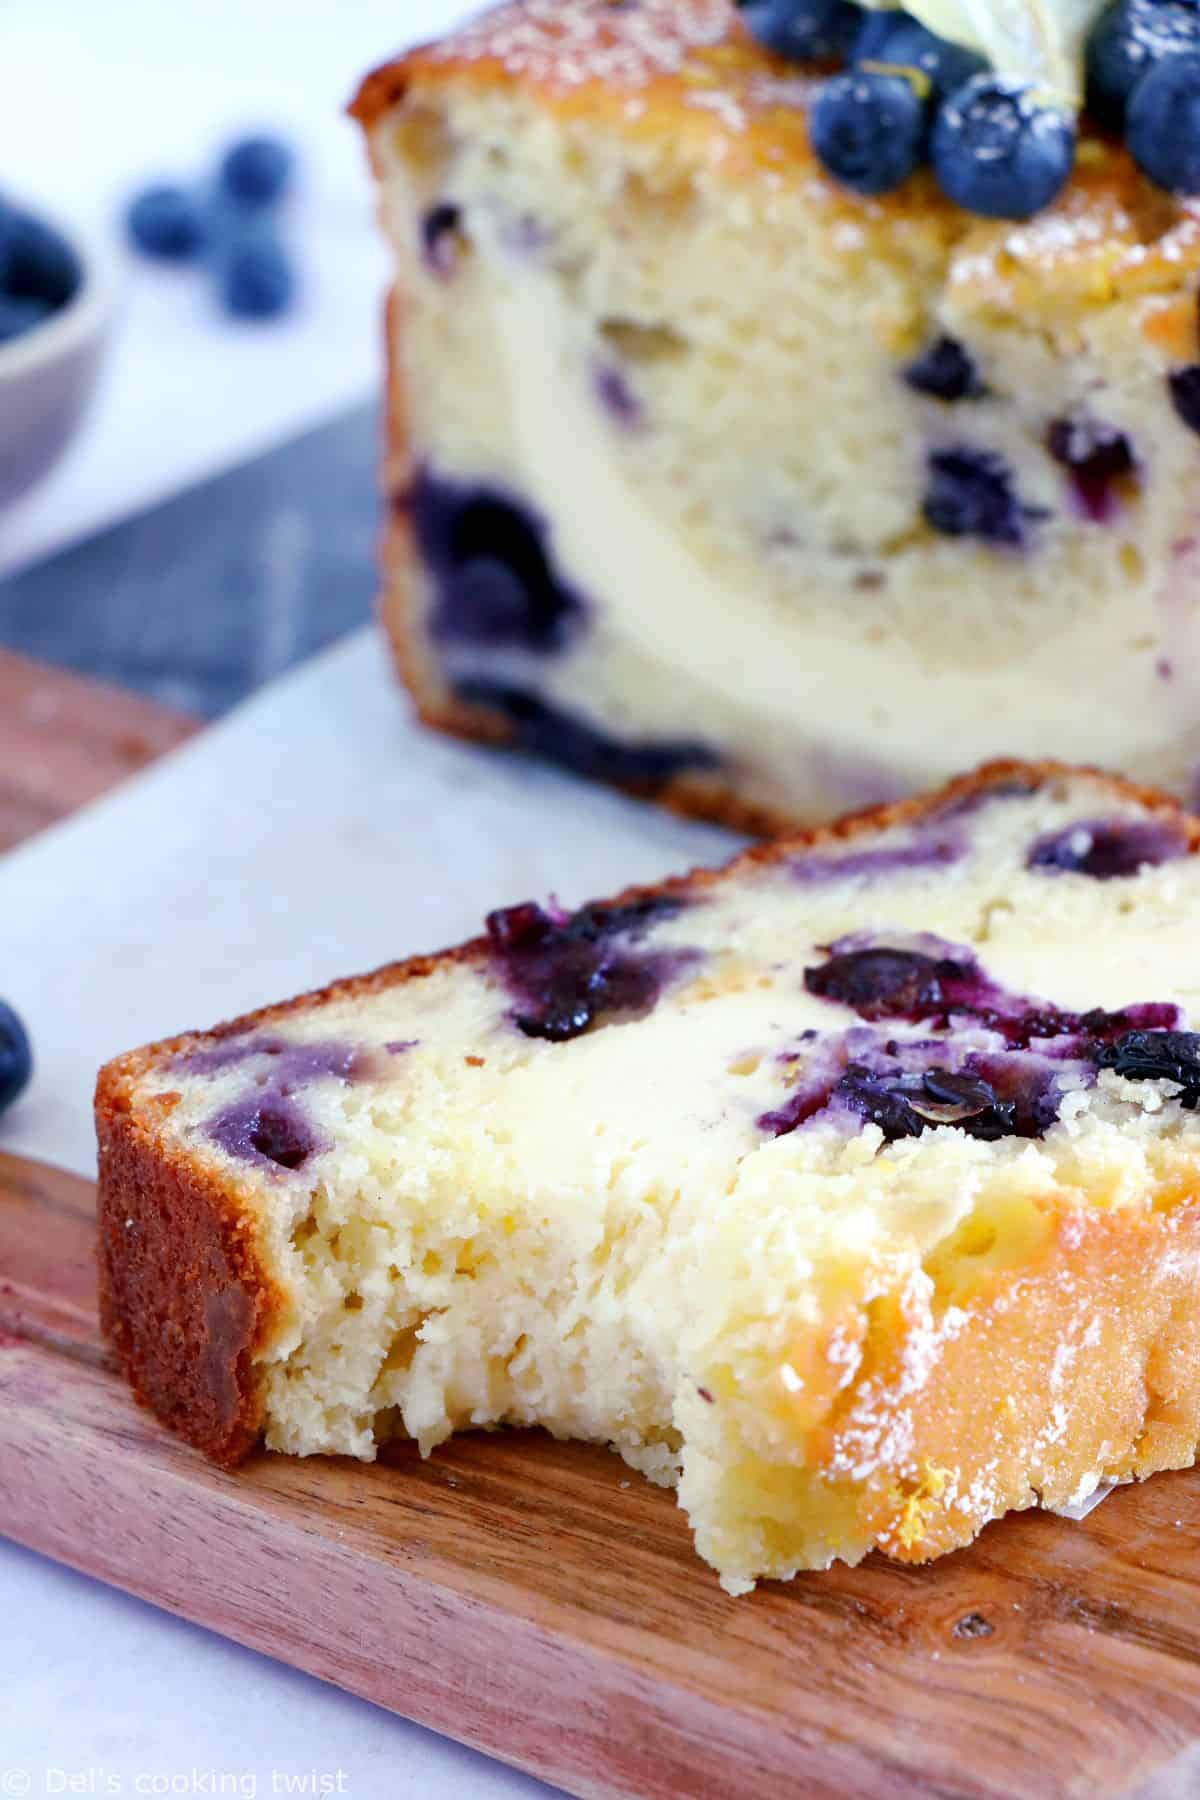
point(867, 130)
point(1097, 456)
point(902, 42)
point(167, 223)
point(1162, 126)
point(256, 171)
point(19, 316)
point(1184, 386)
point(805, 30)
point(38, 264)
point(255, 278)
point(1130, 38)
point(997, 151)
point(16, 1058)
point(945, 371)
point(971, 494)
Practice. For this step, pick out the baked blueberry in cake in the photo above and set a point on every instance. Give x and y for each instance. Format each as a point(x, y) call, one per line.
point(853, 1189)
point(791, 404)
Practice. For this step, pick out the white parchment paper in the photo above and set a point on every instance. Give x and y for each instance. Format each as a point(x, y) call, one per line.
point(317, 832)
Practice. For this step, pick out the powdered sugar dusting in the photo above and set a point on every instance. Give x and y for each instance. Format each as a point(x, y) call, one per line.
point(575, 42)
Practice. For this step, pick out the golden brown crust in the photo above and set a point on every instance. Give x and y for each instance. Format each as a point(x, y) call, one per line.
point(185, 1296)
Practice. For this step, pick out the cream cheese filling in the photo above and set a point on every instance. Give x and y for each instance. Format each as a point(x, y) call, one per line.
point(802, 683)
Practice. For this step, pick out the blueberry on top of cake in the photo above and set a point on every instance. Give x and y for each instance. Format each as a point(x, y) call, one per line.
point(852, 1188)
point(810, 398)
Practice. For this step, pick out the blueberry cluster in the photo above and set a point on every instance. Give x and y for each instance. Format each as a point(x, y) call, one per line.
point(231, 225)
point(906, 97)
point(911, 1086)
point(39, 272)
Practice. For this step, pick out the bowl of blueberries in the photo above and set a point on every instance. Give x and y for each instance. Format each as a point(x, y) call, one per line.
point(54, 306)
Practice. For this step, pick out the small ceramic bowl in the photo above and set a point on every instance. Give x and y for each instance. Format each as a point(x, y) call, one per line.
point(47, 374)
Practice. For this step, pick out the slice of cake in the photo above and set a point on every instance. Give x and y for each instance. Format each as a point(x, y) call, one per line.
point(854, 1188)
point(712, 477)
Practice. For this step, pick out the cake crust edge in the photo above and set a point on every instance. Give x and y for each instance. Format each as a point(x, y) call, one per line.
point(185, 1299)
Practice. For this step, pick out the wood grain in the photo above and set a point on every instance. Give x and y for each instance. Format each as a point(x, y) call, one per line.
point(65, 741)
point(535, 1600)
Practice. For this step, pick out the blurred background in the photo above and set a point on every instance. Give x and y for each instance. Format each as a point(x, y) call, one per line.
point(166, 550)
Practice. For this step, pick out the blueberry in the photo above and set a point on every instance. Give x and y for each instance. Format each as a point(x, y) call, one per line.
point(566, 971)
point(519, 927)
point(615, 394)
point(945, 371)
point(867, 130)
point(256, 171)
point(805, 30)
point(167, 223)
point(16, 1058)
point(905, 1105)
point(952, 1097)
point(494, 580)
point(1107, 849)
point(1184, 385)
point(1162, 127)
point(264, 1128)
point(1097, 456)
point(996, 151)
point(255, 278)
point(19, 316)
point(1130, 38)
point(491, 603)
point(559, 736)
point(902, 42)
point(882, 983)
point(38, 264)
point(971, 494)
point(441, 239)
point(1156, 1056)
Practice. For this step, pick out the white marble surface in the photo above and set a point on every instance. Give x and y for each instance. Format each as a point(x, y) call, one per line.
point(315, 832)
point(100, 96)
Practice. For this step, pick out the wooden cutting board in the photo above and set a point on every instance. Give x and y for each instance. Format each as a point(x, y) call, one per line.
point(538, 1601)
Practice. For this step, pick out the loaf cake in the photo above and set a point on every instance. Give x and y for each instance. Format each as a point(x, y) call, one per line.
point(711, 477)
point(854, 1189)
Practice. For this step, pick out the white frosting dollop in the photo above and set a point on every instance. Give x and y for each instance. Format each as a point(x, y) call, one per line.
point(1039, 41)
